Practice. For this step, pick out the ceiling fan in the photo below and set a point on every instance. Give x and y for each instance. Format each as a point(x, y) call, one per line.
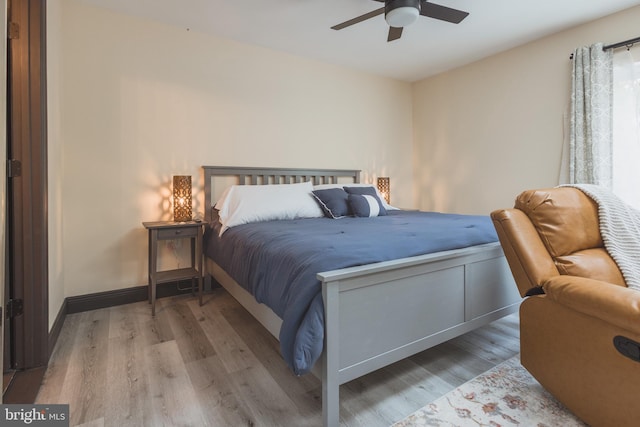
point(400, 13)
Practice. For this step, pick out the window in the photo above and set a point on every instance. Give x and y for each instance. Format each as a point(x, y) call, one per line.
point(626, 126)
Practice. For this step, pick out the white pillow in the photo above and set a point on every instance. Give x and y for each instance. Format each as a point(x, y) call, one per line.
point(386, 205)
point(242, 204)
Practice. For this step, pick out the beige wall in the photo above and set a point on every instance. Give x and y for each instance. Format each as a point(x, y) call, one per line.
point(133, 102)
point(138, 102)
point(487, 131)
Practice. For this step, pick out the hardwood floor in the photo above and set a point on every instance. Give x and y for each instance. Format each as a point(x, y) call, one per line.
point(216, 366)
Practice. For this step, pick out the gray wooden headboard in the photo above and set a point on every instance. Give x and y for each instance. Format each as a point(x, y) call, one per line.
point(266, 176)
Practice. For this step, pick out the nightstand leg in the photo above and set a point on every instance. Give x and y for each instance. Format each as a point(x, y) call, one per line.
point(153, 298)
point(149, 266)
point(194, 251)
point(153, 267)
point(199, 256)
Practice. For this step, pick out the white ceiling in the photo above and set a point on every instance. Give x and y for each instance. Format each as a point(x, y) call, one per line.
point(429, 46)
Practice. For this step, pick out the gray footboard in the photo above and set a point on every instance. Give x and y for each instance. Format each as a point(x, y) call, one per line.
point(375, 316)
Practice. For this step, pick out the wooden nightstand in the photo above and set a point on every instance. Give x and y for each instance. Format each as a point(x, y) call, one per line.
point(169, 230)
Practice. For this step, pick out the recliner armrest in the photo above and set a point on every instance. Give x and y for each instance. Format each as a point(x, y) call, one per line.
point(526, 254)
point(617, 305)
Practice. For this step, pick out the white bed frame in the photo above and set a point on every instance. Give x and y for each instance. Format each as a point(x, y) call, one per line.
point(380, 313)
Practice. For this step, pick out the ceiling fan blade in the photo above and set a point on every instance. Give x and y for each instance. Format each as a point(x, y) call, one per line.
point(442, 13)
point(394, 33)
point(359, 19)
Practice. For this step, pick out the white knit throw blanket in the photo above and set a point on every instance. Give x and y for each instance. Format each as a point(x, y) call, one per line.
point(620, 230)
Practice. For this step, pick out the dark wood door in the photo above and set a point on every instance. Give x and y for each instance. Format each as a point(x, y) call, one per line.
point(26, 334)
point(3, 183)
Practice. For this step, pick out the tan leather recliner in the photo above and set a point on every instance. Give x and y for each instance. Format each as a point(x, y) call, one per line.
point(578, 304)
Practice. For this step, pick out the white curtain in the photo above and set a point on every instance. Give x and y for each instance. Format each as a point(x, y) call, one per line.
point(587, 156)
point(626, 126)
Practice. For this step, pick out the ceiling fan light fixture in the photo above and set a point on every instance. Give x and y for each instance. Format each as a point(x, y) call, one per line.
point(401, 13)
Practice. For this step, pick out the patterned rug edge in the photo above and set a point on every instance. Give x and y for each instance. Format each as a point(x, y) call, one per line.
point(506, 395)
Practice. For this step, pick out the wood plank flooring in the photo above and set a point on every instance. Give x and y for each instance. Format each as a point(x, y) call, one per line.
point(216, 366)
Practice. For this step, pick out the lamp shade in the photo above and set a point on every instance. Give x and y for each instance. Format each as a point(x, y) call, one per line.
point(384, 188)
point(182, 198)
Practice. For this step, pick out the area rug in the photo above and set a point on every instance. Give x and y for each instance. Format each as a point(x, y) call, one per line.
point(506, 395)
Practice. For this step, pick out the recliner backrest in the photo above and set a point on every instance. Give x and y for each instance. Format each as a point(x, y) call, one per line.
point(567, 221)
point(565, 218)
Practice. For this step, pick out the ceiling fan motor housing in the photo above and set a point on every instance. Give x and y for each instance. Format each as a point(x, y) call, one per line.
point(400, 13)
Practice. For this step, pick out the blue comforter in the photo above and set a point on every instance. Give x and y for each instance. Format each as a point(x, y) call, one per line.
point(277, 261)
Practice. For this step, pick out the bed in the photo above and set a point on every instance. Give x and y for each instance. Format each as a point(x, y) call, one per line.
point(380, 312)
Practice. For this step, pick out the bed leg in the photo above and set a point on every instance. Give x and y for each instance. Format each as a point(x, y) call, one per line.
point(330, 360)
point(330, 403)
point(209, 283)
